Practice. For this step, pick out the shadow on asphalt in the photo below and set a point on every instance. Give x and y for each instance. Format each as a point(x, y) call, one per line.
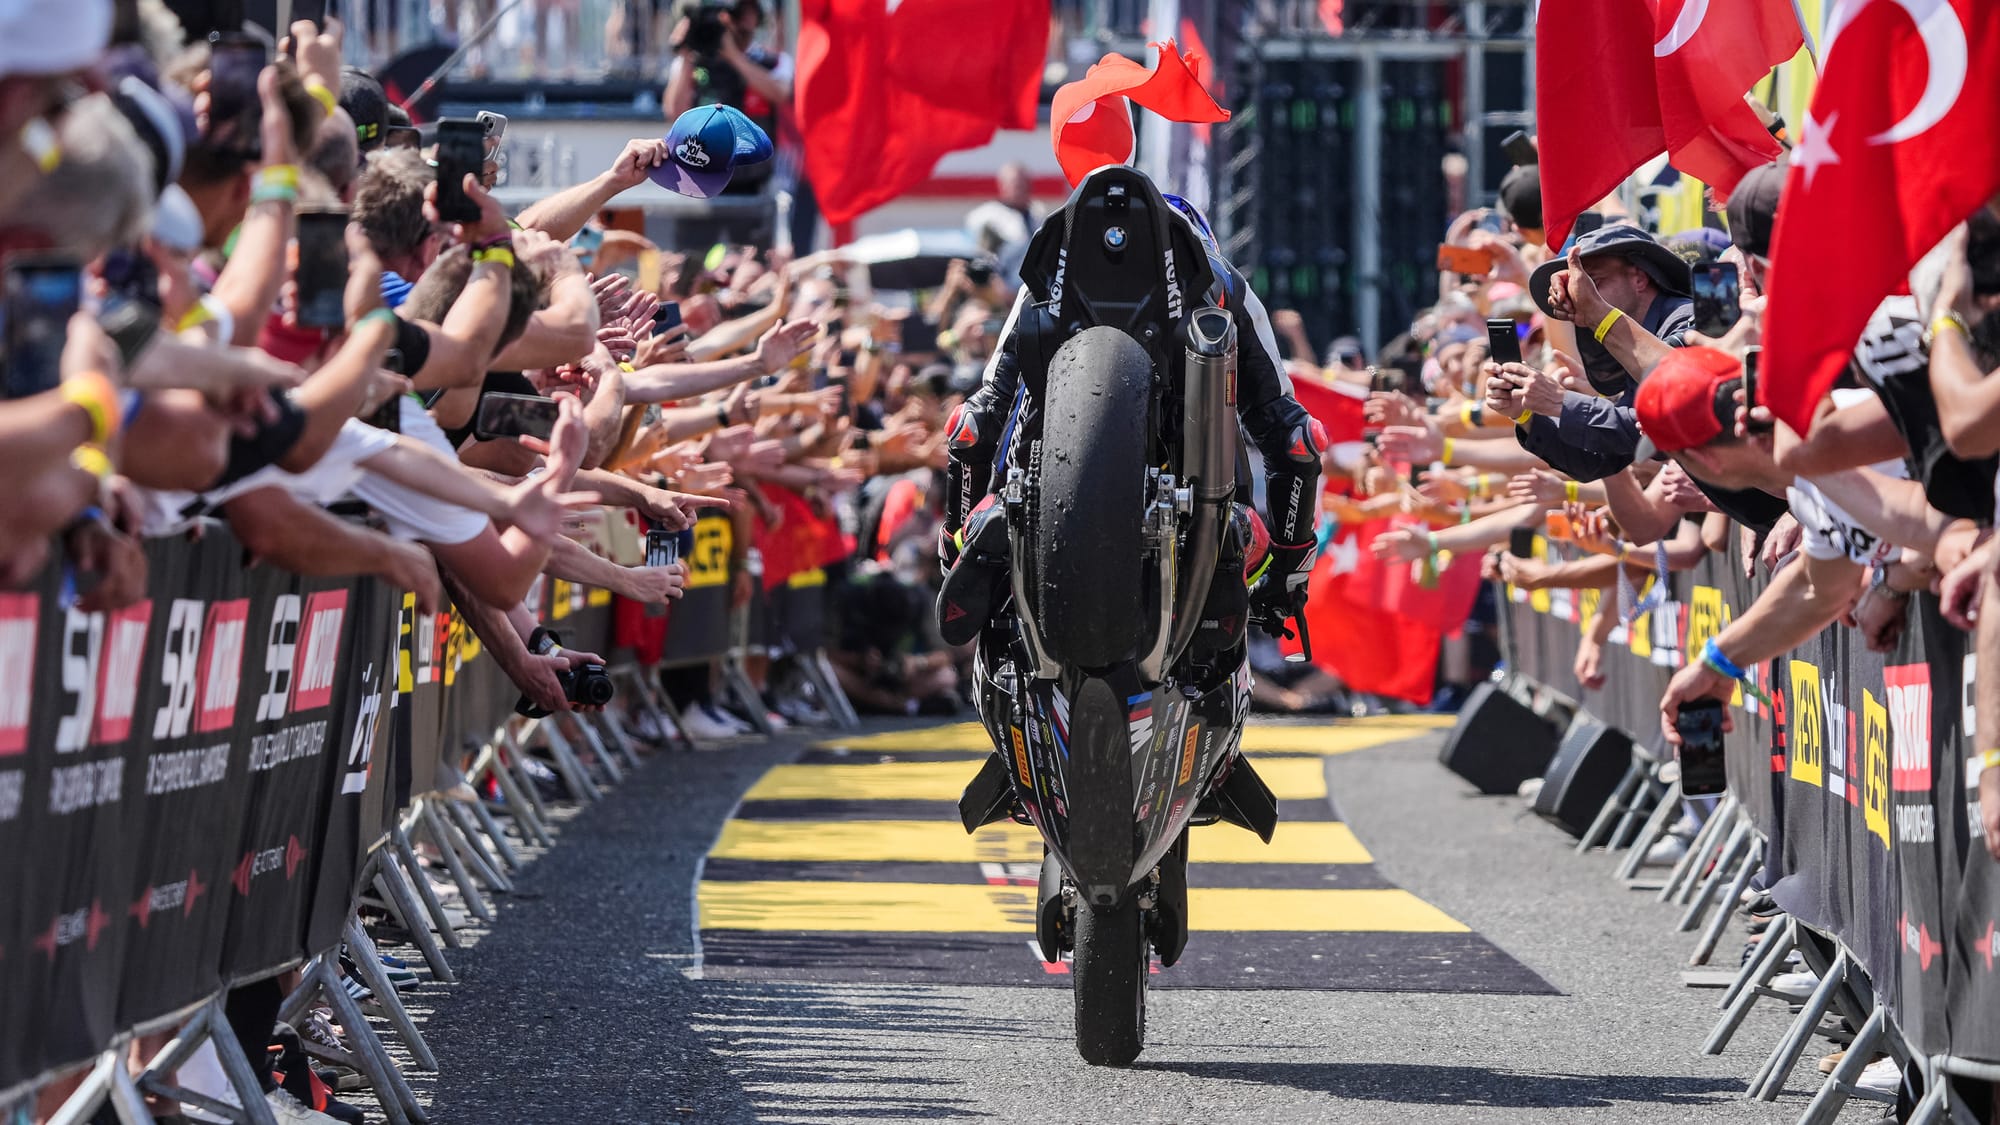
point(1418, 1084)
point(864, 1042)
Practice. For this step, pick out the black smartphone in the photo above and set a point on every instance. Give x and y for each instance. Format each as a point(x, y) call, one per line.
point(1502, 341)
point(1521, 542)
point(1585, 223)
point(1519, 148)
point(461, 152)
point(322, 270)
point(1751, 356)
point(919, 336)
point(1717, 292)
point(130, 313)
point(235, 112)
point(511, 416)
point(663, 548)
point(42, 293)
point(667, 316)
point(1700, 727)
point(388, 416)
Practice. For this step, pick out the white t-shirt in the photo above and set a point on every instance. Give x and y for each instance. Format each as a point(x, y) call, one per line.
point(412, 515)
point(1829, 532)
point(168, 512)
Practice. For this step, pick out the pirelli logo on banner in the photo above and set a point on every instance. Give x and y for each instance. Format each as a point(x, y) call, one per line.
point(1875, 766)
point(1807, 726)
point(708, 563)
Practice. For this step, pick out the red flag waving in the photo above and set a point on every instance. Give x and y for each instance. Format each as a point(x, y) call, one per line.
point(886, 87)
point(1090, 123)
point(1707, 53)
point(1597, 109)
point(1897, 148)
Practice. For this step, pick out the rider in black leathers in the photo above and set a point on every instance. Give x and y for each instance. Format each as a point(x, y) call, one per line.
point(1288, 439)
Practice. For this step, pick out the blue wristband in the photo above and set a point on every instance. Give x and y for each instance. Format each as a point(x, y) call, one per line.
point(1711, 655)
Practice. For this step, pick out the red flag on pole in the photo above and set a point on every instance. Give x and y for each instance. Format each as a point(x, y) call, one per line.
point(1897, 148)
point(886, 87)
point(1597, 108)
point(1090, 122)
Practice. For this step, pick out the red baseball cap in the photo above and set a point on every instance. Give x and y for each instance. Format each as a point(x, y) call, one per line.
point(1688, 400)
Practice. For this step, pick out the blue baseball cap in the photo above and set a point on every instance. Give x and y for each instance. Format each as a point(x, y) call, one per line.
point(705, 146)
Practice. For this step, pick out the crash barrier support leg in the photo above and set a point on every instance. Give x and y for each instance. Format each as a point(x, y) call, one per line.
point(1706, 844)
point(818, 671)
point(364, 1051)
point(1651, 832)
point(1732, 901)
point(1639, 808)
point(402, 901)
point(109, 1082)
point(514, 759)
point(1713, 851)
point(607, 728)
point(368, 961)
point(1617, 807)
point(440, 836)
point(736, 677)
point(574, 776)
point(492, 762)
point(1839, 1085)
point(606, 760)
point(209, 1024)
point(644, 692)
point(1769, 1081)
point(405, 860)
point(1749, 985)
point(1734, 847)
point(478, 829)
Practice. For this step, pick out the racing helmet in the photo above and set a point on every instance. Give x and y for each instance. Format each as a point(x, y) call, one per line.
point(1194, 217)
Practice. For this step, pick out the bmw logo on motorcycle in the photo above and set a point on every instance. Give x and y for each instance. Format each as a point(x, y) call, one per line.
point(1114, 238)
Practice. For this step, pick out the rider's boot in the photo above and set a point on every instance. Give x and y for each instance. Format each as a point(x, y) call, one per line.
point(978, 580)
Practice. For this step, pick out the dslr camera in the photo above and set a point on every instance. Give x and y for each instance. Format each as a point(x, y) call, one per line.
point(705, 27)
point(586, 685)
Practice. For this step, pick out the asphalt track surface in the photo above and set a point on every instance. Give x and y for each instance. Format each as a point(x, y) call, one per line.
point(1423, 955)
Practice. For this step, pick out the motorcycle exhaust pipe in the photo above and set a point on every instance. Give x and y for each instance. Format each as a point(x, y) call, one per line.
point(1208, 458)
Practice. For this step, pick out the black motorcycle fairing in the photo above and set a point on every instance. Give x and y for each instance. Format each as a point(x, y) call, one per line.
point(1094, 259)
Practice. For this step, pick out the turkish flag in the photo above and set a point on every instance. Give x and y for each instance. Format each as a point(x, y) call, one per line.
point(1597, 107)
point(1372, 624)
point(1897, 149)
point(1619, 81)
point(1706, 54)
point(886, 87)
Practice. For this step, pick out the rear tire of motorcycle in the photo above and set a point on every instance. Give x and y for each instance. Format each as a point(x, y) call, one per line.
point(1108, 978)
point(1091, 500)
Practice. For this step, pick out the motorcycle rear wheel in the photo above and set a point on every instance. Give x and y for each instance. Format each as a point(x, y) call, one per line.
point(1090, 501)
point(1108, 978)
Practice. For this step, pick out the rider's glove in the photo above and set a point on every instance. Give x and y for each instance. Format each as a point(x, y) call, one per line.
point(1280, 591)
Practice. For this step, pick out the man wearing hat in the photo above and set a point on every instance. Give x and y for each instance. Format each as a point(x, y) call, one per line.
point(1852, 520)
point(1627, 296)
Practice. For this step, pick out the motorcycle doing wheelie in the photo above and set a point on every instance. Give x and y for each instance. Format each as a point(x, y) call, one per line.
point(1110, 627)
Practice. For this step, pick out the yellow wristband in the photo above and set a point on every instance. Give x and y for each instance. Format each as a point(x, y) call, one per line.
point(1465, 415)
point(1989, 760)
point(499, 254)
point(1948, 321)
point(93, 392)
point(1444, 454)
point(1569, 491)
point(322, 95)
point(278, 176)
point(1523, 419)
point(91, 460)
point(1604, 325)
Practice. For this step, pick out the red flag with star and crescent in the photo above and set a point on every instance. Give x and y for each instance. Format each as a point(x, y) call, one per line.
point(1372, 624)
point(1619, 81)
point(1897, 149)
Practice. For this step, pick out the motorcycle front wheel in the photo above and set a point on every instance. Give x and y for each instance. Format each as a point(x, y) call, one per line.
point(1108, 977)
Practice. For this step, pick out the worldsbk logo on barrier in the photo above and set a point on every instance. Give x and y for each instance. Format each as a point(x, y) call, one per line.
point(1908, 687)
point(18, 614)
point(301, 653)
point(123, 659)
